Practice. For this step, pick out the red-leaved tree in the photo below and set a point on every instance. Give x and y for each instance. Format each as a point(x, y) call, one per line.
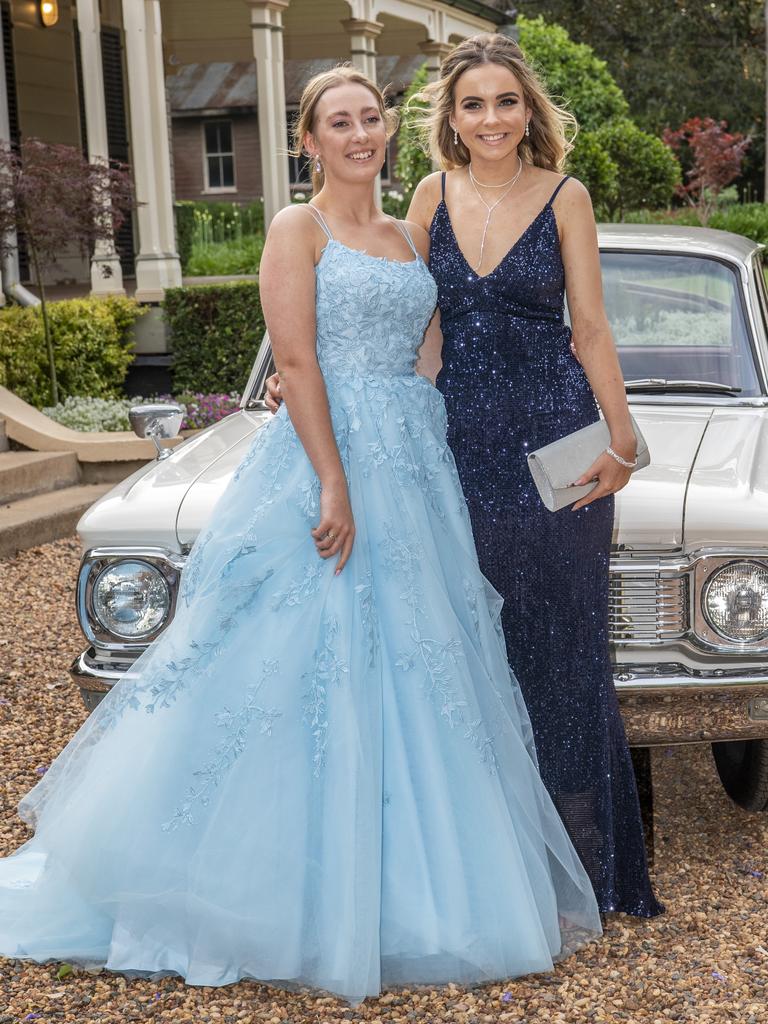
point(54, 197)
point(715, 157)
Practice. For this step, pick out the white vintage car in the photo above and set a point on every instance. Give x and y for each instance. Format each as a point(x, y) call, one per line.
point(689, 573)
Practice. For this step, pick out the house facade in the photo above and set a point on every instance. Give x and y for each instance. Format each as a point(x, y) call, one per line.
point(112, 76)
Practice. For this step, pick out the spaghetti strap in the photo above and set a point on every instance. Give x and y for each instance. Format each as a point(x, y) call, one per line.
point(320, 220)
point(442, 184)
point(559, 186)
point(404, 231)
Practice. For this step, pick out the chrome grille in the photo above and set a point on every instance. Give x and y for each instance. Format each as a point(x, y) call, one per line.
point(647, 605)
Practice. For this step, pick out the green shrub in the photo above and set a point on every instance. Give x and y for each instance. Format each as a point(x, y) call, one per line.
point(648, 171)
point(412, 163)
point(572, 72)
point(216, 331)
point(185, 230)
point(748, 219)
point(592, 165)
point(91, 343)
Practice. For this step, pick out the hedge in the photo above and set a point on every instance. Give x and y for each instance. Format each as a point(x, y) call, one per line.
point(216, 331)
point(91, 343)
point(748, 219)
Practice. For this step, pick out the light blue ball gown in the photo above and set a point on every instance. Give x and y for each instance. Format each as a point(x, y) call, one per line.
point(313, 779)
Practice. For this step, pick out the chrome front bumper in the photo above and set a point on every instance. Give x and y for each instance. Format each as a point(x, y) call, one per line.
point(660, 704)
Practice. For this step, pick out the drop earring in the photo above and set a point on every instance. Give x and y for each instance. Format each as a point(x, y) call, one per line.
point(318, 165)
point(455, 137)
point(527, 129)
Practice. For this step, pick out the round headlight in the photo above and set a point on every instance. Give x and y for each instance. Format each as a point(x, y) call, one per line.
point(735, 601)
point(131, 599)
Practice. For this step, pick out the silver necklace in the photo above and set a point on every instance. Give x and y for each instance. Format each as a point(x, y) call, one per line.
point(490, 207)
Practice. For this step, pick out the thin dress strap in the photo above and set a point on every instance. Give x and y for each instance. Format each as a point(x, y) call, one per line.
point(320, 220)
point(559, 186)
point(404, 230)
point(442, 184)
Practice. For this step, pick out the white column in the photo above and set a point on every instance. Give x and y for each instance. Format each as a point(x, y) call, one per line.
point(362, 51)
point(106, 272)
point(267, 34)
point(157, 264)
point(435, 53)
point(362, 44)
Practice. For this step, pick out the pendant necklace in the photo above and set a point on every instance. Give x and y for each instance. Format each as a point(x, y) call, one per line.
point(490, 207)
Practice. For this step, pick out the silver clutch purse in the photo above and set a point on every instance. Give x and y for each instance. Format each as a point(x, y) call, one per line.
point(555, 466)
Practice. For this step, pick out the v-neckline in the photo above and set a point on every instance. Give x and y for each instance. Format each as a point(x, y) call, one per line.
point(507, 254)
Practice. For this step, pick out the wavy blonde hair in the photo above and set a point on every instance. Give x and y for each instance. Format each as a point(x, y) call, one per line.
point(552, 128)
point(316, 87)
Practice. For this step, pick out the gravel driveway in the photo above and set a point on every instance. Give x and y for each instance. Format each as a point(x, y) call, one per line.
point(706, 960)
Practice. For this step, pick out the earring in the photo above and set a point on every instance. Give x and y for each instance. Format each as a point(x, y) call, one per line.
point(455, 137)
point(318, 165)
point(527, 128)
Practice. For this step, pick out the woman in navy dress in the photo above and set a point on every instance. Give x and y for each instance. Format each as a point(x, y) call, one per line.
point(509, 236)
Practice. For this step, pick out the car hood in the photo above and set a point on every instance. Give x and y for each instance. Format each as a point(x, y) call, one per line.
point(145, 508)
point(728, 493)
point(650, 509)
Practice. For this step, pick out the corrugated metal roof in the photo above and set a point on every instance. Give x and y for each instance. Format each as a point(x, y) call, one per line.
point(227, 85)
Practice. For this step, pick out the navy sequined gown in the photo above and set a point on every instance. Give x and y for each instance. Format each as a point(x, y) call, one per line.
point(511, 385)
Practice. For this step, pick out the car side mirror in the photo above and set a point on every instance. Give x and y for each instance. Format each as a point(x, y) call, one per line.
point(155, 422)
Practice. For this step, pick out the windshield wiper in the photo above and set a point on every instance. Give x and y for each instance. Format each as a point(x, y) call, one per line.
point(660, 384)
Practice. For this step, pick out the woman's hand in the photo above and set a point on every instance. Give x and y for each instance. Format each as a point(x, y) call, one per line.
point(335, 533)
point(611, 476)
point(272, 396)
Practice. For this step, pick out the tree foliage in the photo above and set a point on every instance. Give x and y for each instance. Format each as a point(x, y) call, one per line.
point(715, 157)
point(574, 75)
point(622, 166)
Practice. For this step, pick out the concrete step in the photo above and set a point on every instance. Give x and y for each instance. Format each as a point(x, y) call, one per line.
point(3, 436)
point(44, 517)
point(23, 474)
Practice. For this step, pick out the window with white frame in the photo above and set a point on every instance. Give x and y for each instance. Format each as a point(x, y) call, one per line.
point(219, 156)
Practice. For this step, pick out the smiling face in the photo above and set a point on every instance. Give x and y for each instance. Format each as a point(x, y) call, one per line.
point(489, 112)
point(349, 134)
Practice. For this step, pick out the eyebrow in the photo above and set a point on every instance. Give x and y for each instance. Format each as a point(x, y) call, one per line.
point(500, 96)
point(345, 113)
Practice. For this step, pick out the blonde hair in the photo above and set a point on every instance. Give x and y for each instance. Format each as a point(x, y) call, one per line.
point(316, 87)
point(552, 128)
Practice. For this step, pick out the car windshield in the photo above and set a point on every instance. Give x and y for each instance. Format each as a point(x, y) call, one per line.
point(679, 324)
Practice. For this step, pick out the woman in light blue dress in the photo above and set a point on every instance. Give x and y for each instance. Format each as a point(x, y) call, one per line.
point(322, 773)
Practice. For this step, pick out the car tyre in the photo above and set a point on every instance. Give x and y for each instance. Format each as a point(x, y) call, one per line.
point(743, 769)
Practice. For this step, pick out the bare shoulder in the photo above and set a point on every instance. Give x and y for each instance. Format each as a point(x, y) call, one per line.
point(425, 200)
point(573, 196)
point(295, 229)
point(420, 238)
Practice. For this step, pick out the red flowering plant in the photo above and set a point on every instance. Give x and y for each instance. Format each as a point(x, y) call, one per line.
point(714, 156)
point(56, 199)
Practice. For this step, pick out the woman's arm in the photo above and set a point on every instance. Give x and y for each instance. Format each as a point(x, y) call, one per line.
point(592, 339)
point(429, 362)
point(287, 286)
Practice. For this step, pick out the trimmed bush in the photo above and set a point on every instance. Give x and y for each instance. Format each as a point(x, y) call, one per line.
point(748, 219)
point(592, 165)
point(89, 414)
point(91, 346)
point(648, 171)
point(216, 331)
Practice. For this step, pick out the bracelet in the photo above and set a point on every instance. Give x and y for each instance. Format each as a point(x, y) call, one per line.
point(619, 459)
